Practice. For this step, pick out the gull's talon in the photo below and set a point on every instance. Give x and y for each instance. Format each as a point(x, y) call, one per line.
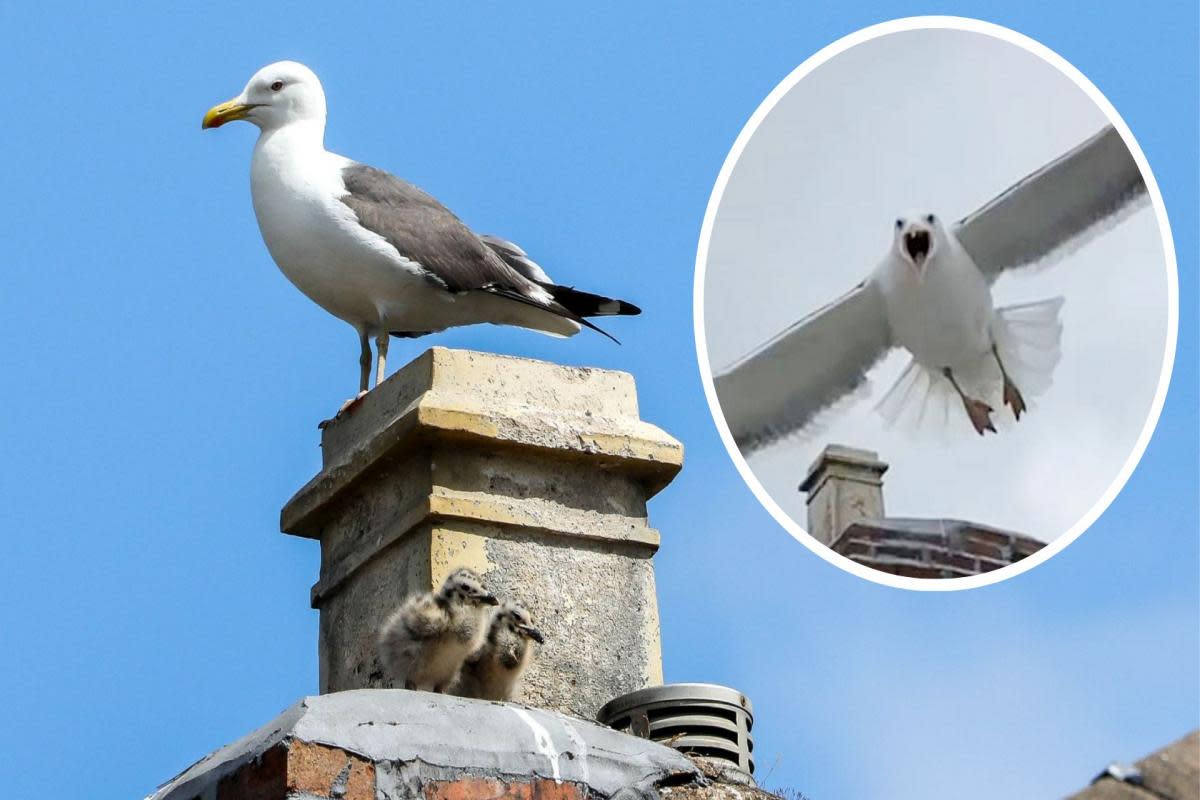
point(980, 414)
point(345, 407)
point(350, 404)
point(1013, 399)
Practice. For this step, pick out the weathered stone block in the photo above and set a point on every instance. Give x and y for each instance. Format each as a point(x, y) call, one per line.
point(844, 485)
point(535, 475)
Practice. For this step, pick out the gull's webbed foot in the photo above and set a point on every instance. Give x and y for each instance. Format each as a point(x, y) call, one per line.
point(1013, 399)
point(980, 414)
point(345, 408)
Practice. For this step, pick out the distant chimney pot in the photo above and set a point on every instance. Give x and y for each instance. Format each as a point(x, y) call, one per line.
point(844, 485)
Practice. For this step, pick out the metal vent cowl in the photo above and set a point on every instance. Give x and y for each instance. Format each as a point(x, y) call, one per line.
point(700, 719)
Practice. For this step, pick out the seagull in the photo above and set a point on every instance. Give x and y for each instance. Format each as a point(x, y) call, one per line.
point(376, 251)
point(423, 644)
point(493, 672)
point(931, 295)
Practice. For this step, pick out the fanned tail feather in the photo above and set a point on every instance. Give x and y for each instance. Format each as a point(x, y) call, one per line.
point(1028, 337)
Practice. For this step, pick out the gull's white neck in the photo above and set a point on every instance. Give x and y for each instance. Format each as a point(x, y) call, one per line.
point(295, 140)
point(292, 159)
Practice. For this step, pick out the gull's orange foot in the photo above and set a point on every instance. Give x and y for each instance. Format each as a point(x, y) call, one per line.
point(345, 408)
point(980, 414)
point(1013, 398)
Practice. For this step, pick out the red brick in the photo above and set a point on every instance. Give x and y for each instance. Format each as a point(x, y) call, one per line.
point(957, 561)
point(983, 549)
point(494, 789)
point(265, 778)
point(993, 538)
point(313, 768)
point(912, 552)
point(853, 548)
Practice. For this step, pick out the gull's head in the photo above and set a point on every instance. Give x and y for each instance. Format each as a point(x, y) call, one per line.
point(517, 621)
point(917, 238)
point(279, 94)
point(464, 586)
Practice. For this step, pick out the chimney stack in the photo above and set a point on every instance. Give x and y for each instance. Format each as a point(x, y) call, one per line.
point(533, 474)
point(844, 485)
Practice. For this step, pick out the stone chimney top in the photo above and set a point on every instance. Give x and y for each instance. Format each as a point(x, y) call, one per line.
point(533, 474)
point(844, 485)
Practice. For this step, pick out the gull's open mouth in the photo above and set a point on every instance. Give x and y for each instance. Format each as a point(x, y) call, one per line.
point(917, 244)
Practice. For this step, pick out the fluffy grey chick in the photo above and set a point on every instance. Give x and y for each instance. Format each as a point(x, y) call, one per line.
point(493, 672)
point(423, 644)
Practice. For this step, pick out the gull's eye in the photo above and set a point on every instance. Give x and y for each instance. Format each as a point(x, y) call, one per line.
point(899, 223)
point(929, 219)
point(276, 86)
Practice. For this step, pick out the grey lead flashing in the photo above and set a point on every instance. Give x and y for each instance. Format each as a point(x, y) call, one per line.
point(438, 736)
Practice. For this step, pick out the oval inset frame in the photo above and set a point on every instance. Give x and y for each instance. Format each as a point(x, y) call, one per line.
point(756, 119)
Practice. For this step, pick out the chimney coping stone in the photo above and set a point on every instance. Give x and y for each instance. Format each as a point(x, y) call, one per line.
point(569, 413)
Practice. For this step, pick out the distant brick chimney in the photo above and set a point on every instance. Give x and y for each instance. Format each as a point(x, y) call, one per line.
point(533, 474)
point(845, 513)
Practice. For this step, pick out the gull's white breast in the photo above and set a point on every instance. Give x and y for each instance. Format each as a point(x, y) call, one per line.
point(316, 240)
point(945, 319)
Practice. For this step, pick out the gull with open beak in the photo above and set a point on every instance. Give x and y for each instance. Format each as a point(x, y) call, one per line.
point(939, 308)
point(931, 295)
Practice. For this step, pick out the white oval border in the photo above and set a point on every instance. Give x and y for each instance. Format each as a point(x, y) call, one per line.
point(1054, 59)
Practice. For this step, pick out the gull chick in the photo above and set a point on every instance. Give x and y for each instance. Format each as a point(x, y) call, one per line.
point(493, 672)
point(423, 644)
point(376, 251)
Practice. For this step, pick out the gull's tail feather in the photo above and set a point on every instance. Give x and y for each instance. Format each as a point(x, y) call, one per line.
point(586, 304)
point(1028, 338)
point(922, 402)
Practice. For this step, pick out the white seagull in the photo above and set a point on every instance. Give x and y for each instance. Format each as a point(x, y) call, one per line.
point(374, 250)
point(931, 295)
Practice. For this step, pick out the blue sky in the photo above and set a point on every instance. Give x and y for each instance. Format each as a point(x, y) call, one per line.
point(163, 383)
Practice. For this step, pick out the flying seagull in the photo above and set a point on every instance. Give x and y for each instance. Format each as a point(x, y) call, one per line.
point(374, 250)
point(931, 296)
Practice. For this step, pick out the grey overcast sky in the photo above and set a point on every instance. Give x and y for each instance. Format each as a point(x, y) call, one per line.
point(940, 120)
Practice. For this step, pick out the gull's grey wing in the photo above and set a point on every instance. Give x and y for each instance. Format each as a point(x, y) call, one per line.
point(780, 387)
point(516, 258)
point(455, 258)
point(429, 234)
point(1053, 208)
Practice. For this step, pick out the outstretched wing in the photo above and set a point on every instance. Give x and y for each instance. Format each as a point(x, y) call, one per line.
point(779, 388)
point(1053, 209)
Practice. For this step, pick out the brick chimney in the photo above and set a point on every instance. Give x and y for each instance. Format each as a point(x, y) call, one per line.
point(844, 485)
point(533, 474)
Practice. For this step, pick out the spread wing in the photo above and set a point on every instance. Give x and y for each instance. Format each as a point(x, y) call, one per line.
point(779, 388)
point(1053, 209)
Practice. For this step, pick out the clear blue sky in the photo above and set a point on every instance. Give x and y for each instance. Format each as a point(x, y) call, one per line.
point(163, 383)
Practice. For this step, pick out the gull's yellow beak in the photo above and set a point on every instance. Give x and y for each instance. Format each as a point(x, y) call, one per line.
point(228, 111)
